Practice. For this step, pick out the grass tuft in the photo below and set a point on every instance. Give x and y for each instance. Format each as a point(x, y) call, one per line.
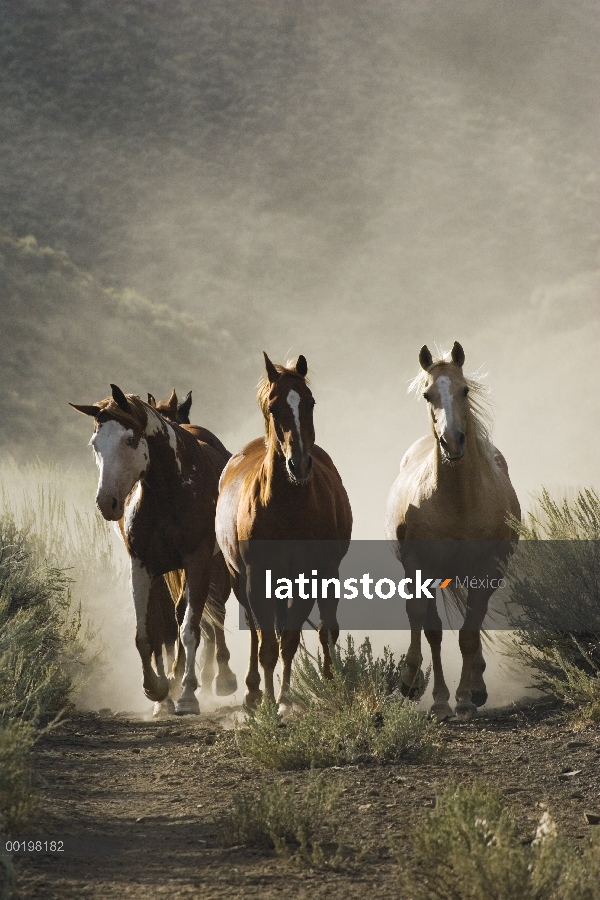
point(298, 822)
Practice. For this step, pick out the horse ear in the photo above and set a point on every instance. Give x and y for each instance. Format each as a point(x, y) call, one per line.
point(183, 410)
point(272, 373)
point(301, 366)
point(173, 403)
point(151, 401)
point(425, 357)
point(458, 354)
point(119, 397)
point(87, 410)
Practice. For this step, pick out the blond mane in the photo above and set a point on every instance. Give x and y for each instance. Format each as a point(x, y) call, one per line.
point(262, 396)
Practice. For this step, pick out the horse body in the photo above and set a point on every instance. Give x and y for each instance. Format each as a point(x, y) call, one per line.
point(163, 484)
point(283, 489)
point(453, 485)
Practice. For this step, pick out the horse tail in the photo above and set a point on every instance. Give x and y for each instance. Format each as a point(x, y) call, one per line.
point(454, 597)
point(213, 608)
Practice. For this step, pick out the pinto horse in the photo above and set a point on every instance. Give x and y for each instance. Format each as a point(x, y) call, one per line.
point(286, 489)
point(171, 589)
point(163, 483)
point(453, 486)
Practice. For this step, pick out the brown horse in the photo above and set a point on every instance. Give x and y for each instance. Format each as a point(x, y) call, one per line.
point(453, 486)
point(286, 489)
point(165, 621)
point(163, 483)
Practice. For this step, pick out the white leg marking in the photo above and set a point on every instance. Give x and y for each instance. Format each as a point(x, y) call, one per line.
point(293, 399)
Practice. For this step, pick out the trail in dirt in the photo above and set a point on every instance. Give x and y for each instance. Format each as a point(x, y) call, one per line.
point(161, 790)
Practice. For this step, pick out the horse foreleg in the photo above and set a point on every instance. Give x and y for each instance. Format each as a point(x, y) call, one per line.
point(156, 687)
point(197, 577)
point(253, 691)
point(416, 611)
point(226, 681)
point(479, 692)
point(440, 708)
point(290, 640)
point(268, 654)
point(469, 641)
point(329, 631)
point(207, 672)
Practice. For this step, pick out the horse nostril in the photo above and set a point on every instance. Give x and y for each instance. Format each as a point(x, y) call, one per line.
point(461, 440)
point(309, 464)
point(114, 503)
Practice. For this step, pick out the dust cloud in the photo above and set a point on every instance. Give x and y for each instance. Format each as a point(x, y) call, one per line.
point(343, 180)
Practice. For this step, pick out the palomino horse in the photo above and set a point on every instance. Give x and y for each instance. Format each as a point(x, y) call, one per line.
point(453, 486)
point(285, 489)
point(171, 590)
point(163, 483)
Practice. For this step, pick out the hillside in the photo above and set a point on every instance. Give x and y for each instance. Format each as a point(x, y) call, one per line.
point(65, 338)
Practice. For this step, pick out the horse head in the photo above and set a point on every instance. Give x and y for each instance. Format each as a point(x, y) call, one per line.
point(287, 404)
point(171, 409)
point(446, 391)
point(120, 448)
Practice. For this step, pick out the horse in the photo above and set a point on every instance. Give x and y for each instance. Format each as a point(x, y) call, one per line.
point(453, 486)
point(163, 484)
point(282, 488)
point(171, 589)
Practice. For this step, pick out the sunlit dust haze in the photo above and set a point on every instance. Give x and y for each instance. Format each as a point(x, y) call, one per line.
point(199, 182)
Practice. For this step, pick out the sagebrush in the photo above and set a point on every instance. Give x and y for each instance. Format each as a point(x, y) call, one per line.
point(298, 821)
point(358, 714)
point(470, 849)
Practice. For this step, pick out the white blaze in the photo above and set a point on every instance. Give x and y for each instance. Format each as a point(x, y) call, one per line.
point(443, 383)
point(120, 465)
point(293, 399)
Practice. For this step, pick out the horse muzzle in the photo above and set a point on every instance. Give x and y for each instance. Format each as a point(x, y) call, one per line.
point(300, 469)
point(452, 445)
point(110, 507)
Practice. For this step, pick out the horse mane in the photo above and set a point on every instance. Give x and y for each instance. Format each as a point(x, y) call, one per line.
point(262, 396)
point(136, 416)
point(480, 412)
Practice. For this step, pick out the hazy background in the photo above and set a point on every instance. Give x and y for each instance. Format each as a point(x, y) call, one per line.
point(347, 180)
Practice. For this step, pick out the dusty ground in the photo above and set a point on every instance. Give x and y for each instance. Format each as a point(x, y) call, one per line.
point(161, 790)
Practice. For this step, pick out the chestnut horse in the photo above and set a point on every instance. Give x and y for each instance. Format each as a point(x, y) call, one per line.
point(453, 486)
point(171, 590)
point(163, 483)
point(286, 489)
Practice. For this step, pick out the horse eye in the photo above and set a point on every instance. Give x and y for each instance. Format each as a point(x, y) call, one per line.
point(129, 442)
point(311, 403)
point(466, 391)
point(426, 396)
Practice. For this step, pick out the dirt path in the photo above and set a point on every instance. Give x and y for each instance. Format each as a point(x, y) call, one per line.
point(161, 789)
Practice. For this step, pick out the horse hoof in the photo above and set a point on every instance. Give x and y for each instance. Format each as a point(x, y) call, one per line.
point(285, 710)
point(252, 700)
point(441, 710)
point(413, 693)
point(466, 711)
point(157, 690)
point(226, 684)
point(164, 708)
point(187, 707)
point(479, 698)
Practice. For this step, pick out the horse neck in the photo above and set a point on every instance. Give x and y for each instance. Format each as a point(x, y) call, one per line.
point(159, 473)
point(461, 481)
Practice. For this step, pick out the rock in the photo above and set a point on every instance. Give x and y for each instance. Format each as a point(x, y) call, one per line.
point(105, 711)
point(592, 818)
point(564, 776)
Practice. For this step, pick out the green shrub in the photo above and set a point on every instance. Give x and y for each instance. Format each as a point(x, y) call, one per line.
point(469, 849)
point(554, 581)
point(7, 876)
point(357, 715)
point(296, 821)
